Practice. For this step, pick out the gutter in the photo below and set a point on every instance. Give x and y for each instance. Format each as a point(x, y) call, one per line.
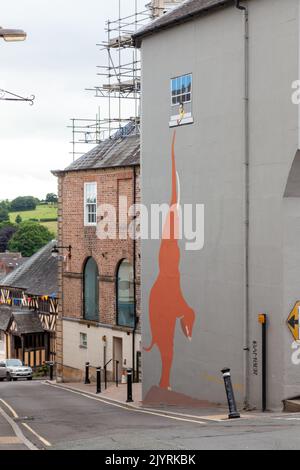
point(247, 200)
point(134, 278)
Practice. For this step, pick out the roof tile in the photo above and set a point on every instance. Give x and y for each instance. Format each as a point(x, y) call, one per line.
point(38, 275)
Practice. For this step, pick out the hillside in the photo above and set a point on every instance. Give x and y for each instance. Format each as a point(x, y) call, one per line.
point(40, 213)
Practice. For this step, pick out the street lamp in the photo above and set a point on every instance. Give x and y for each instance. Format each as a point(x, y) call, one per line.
point(55, 250)
point(12, 34)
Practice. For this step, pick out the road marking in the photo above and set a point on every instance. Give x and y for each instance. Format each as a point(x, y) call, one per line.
point(17, 430)
point(9, 440)
point(136, 410)
point(44, 441)
point(10, 408)
point(288, 419)
point(216, 418)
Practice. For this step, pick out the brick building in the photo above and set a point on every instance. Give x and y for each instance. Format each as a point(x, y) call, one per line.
point(99, 282)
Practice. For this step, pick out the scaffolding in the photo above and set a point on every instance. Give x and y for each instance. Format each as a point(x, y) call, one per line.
point(120, 76)
point(121, 73)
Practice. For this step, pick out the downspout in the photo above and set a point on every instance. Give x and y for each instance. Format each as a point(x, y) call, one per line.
point(245, 11)
point(134, 278)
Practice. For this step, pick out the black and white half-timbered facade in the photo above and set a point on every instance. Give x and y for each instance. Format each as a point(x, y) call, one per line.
point(28, 310)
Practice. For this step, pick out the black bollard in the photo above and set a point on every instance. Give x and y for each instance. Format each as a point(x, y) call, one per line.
point(129, 386)
point(87, 373)
point(117, 373)
point(233, 413)
point(51, 370)
point(98, 380)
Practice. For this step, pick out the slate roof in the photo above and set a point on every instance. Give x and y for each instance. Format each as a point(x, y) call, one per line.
point(38, 275)
point(5, 315)
point(27, 322)
point(181, 14)
point(123, 149)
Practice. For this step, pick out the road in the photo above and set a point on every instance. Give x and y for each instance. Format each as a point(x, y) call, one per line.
point(53, 418)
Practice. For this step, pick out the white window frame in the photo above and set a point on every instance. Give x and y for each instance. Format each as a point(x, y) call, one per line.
point(176, 119)
point(86, 213)
point(181, 94)
point(83, 344)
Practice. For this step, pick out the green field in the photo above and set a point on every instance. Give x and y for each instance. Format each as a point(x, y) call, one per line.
point(41, 212)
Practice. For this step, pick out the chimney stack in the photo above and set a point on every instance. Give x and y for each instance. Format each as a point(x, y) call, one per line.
point(159, 7)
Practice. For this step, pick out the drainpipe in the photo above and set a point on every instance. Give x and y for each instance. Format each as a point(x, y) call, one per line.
point(134, 279)
point(245, 11)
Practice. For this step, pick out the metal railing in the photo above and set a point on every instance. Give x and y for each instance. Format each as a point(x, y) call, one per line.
point(116, 372)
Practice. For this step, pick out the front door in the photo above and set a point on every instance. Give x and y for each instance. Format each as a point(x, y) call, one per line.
point(17, 351)
point(118, 356)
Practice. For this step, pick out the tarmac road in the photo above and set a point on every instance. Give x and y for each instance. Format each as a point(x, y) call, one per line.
point(53, 418)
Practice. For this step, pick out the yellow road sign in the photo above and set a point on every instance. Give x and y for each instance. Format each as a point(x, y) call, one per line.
point(293, 321)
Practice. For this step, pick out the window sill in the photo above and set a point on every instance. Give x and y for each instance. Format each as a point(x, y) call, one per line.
point(125, 329)
point(175, 121)
point(82, 347)
point(88, 323)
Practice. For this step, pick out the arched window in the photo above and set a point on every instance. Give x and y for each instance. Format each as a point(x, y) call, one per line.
point(91, 290)
point(125, 295)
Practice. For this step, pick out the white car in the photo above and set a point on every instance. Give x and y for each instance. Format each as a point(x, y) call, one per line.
point(13, 369)
point(4, 374)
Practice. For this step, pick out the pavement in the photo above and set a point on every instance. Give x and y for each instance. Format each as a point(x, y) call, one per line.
point(53, 417)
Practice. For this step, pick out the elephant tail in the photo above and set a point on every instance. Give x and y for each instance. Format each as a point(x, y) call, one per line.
point(150, 347)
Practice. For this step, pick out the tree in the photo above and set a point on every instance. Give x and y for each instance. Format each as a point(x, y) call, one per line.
point(6, 233)
point(5, 204)
point(51, 198)
point(4, 214)
point(29, 238)
point(18, 219)
point(23, 203)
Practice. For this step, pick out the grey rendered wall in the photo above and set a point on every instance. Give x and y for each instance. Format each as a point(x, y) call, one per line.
point(273, 145)
point(291, 255)
point(210, 157)
point(209, 163)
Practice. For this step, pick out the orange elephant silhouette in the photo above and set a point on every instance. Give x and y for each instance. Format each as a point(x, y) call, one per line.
point(167, 303)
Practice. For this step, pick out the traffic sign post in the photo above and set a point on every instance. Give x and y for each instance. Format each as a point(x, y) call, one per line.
point(262, 319)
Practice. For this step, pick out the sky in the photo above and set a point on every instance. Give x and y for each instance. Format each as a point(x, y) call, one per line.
point(56, 63)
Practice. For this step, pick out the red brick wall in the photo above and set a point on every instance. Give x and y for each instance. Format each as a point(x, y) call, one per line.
point(111, 183)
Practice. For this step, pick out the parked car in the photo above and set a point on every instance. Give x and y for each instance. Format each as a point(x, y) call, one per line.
point(14, 370)
point(4, 374)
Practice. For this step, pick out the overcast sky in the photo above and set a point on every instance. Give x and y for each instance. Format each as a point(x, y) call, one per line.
point(56, 63)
